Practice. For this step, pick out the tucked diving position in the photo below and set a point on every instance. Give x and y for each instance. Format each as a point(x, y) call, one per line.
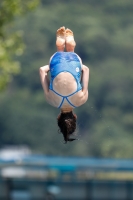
point(68, 84)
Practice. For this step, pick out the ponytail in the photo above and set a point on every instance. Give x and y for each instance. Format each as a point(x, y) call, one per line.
point(67, 125)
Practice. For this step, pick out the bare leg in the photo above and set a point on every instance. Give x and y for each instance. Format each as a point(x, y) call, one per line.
point(60, 39)
point(70, 42)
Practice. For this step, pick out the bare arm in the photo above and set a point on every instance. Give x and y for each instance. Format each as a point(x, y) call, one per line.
point(85, 79)
point(44, 78)
point(83, 95)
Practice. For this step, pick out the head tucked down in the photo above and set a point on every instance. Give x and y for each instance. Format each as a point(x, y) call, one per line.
point(67, 125)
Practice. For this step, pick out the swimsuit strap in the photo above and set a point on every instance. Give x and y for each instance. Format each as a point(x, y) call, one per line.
point(65, 97)
point(68, 102)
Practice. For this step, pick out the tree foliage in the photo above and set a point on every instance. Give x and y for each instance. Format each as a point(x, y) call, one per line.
point(10, 42)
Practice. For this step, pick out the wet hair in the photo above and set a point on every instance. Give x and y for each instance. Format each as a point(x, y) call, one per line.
point(67, 125)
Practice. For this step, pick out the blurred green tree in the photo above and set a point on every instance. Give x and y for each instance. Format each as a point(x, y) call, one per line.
point(10, 43)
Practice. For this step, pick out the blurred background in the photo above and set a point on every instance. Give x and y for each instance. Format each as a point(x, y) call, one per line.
point(29, 134)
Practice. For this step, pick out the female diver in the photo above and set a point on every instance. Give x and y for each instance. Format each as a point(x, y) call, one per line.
point(68, 85)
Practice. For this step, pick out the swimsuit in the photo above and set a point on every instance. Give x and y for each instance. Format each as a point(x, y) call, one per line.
point(65, 62)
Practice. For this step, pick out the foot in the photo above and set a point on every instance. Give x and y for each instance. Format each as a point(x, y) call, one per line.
point(60, 39)
point(69, 33)
point(70, 42)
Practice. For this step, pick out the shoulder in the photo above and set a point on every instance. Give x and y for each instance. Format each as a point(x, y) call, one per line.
point(79, 98)
point(53, 99)
point(83, 97)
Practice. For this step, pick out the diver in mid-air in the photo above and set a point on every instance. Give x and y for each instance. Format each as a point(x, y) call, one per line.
point(68, 84)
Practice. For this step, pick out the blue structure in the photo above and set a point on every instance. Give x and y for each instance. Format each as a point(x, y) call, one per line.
point(65, 178)
point(71, 163)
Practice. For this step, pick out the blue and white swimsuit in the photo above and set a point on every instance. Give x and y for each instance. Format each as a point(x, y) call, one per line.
point(65, 62)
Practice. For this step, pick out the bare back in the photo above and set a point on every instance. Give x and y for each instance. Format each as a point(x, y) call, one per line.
point(66, 71)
